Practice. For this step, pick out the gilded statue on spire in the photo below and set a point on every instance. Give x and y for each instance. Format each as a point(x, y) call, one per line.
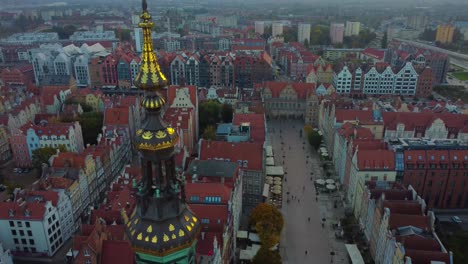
point(150, 77)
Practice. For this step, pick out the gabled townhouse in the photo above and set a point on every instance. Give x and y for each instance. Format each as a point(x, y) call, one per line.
point(185, 97)
point(67, 182)
point(398, 226)
point(30, 137)
point(369, 165)
point(427, 125)
point(87, 171)
point(289, 99)
point(214, 193)
point(250, 159)
point(33, 226)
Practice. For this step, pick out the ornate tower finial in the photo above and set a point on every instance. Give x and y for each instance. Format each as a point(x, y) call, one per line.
point(149, 78)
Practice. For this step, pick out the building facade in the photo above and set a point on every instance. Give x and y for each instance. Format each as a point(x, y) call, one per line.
point(303, 33)
point(336, 33)
point(352, 28)
point(444, 34)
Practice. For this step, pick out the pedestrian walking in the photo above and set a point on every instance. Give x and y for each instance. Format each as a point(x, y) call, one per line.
point(323, 225)
point(306, 252)
point(308, 219)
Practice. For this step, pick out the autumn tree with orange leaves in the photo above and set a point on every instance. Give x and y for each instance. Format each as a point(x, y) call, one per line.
point(268, 221)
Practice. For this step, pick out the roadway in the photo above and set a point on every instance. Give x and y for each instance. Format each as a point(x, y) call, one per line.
point(445, 215)
point(304, 239)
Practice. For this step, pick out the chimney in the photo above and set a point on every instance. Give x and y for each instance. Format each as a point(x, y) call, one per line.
point(203, 235)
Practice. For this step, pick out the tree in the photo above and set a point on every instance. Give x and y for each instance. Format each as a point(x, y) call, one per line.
point(384, 40)
point(209, 114)
point(428, 34)
point(123, 34)
point(268, 222)
point(42, 155)
point(91, 122)
point(209, 133)
point(320, 35)
point(290, 34)
point(226, 113)
point(264, 255)
point(314, 138)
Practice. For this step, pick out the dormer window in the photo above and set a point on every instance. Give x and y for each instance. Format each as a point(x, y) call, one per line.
point(245, 163)
point(409, 157)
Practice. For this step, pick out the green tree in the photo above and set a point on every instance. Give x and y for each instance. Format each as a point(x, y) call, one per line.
point(42, 155)
point(320, 35)
point(209, 133)
point(22, 22)
point(226, 113)
point(123, 34)
point(428, 34)
point(91, 122)
point(314, 138)
point(209, 114)
point(384, 41)
point(290, 34)
point(264, 255)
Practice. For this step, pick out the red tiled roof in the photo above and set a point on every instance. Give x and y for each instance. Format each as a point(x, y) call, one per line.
point(116, 116)
point(368, 144)
point(411, 120)
point(205, 245)
point(376, 160)
point(212, 212)
point(205, 189)
point(36, 210)
point(363, 116)
point(403, 207)
point(257, 125)
point(400, 220)
point(414, 156)
point(417, 242)
point(117, 252)
point(392, 194)
point(374, 53)
point(174, 116)
point(48, 98)
point(49, 129)
point(45, 196)
point(109, 216)
point(347, 130)
point(425, 257)
point(252, 152)
point(69, 159)
point(59, 182)
point(172, 92)
point(302, 89)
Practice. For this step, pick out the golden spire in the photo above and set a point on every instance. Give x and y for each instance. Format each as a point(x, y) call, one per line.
point(150, 77)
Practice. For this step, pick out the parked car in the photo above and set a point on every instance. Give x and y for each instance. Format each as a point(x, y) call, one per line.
point(456, 219)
